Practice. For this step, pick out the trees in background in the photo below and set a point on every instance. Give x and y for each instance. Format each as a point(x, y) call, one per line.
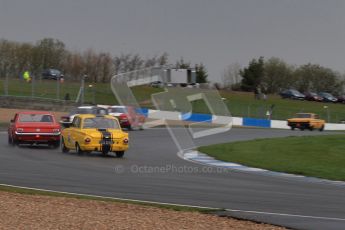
point(313, 77)
point(201, 73)
point(16, 57)
point(274, 74)
point(277, 75)
point(252, 75)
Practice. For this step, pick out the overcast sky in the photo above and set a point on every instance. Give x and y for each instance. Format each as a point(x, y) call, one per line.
point(215, 32)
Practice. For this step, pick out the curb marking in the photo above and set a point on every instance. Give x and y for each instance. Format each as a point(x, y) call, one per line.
point(204, 159)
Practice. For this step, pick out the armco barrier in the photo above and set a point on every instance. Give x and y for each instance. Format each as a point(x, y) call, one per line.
point(256, 122)
point(197, 117)
point(237, 121)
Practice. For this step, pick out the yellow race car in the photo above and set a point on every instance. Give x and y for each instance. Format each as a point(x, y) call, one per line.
point(100, 133)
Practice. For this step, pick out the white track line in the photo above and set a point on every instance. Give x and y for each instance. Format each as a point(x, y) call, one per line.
point(285, 214)
point(110, 198)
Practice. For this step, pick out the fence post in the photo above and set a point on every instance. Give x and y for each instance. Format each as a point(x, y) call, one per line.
point(6, 86)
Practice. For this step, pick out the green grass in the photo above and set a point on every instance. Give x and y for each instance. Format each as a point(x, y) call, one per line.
point(36, 192)
point(239, 103)
point(317, 156)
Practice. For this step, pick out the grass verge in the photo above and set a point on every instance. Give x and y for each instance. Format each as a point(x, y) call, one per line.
point(29, 191)
point(316, 156)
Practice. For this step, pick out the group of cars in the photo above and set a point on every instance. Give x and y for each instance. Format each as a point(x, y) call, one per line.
point(128, 116)
point(312, 96)
point(86, 129)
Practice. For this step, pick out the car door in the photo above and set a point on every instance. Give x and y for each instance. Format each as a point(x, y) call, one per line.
point(317, 122)
point(72, 133)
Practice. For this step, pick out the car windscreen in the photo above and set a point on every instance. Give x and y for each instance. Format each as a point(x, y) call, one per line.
point(295, 92)
point(35, 118)
point(100, 123)
point(325, 95)
point(303, 115)
point(117, 110)
point(82, 111)
point(54, 71)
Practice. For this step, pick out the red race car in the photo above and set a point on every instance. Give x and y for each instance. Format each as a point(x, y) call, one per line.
point(127, 116)
point(33, 127)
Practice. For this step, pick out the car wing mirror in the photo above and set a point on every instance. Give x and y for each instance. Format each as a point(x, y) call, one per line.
point(12, 120)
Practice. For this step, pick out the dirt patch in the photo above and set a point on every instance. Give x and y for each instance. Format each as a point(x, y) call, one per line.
point(19, 211)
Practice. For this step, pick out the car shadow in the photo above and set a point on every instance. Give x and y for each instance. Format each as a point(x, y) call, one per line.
point(92, 154)
point(34, 146)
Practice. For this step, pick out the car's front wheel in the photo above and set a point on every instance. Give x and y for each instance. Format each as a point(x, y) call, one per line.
point(12, 141)
point(322, 128)
point(78, 149)
point(120, 154)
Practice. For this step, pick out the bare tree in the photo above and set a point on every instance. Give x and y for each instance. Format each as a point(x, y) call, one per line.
point(231, 75)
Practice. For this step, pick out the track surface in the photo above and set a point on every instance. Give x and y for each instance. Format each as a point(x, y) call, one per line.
point(309, 205)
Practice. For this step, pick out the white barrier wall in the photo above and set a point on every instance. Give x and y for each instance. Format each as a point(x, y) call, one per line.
point(276, 124)
point(330, 126)
point(238, 121)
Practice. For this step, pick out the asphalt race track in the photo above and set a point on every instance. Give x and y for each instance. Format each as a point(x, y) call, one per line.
point(152, 171)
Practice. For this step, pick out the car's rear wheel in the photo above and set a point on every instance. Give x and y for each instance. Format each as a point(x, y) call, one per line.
point(120, 154)
point(292, 127)
point(322, 128)
point(78, 149)
point(64, 149)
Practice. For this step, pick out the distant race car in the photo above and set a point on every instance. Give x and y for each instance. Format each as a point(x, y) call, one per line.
point(304, 121)
point(128, 117)
point(67, 120)
point(100, 133)
point(34, 127)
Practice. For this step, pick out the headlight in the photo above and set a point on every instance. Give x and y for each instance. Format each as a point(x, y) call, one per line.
point(125, 141)
point(87, 140)
point(56, 130)
point(19, 130)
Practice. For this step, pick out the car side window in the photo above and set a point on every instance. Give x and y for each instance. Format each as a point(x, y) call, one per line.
point(76, 122)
